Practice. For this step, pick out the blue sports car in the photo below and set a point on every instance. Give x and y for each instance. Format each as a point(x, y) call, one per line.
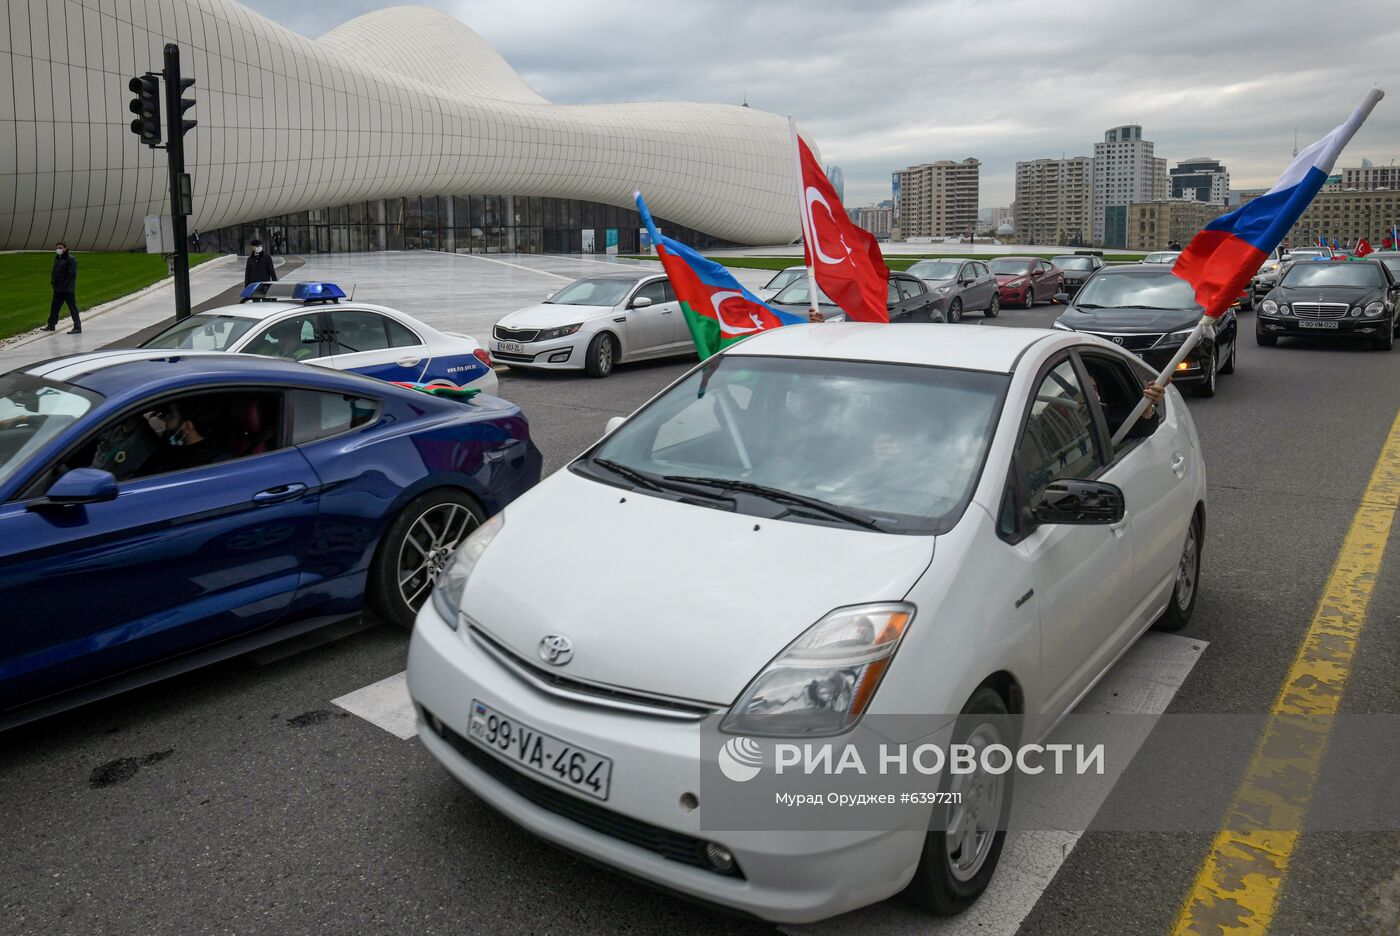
point(162, 510)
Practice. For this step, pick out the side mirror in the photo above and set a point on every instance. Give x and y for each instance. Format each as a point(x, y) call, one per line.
point(548, 296)
point(1062, 298)
point(641, 302)
point(612, 423)
point(1080, 502)
point(80, 486)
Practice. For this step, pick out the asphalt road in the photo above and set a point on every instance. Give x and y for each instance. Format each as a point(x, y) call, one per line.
point(240, 800)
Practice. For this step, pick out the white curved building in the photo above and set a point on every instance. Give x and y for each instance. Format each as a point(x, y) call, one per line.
point(405, 101)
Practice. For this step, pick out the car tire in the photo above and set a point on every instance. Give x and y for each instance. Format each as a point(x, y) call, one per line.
point(955, 311)
point(1229, 366)
point(1386, 343)
point(1030, 298)
point(601, 356)
point(1182, 603)
point(993, 307)
point(946, 882)
point(401, 575)
point(1206, 388)
point(1266, 341)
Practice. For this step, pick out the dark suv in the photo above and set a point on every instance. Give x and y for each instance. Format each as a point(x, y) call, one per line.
point(1317, 297)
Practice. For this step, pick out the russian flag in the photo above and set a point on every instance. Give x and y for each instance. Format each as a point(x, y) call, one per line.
point(1226, 254)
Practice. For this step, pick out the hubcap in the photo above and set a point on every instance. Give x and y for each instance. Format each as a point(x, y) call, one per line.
point(972, 825)
point(1030, 299)
point(1187, 571)
point(428, 546)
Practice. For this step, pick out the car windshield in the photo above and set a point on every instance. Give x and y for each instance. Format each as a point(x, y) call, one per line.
point(203, 333)
point(1143, 289)
point(935, 269)
point(1073, 263)
point(894, 447)
point(593, 291)
point(799, 293)
point(1009, 265)
point(1333, 274)
point(783, 278)
point(1392, 264)
point(1161, 257)
point(33, 411)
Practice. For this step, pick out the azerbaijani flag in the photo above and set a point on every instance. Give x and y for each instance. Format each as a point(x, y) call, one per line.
point(1227, 253)
point(717, 308)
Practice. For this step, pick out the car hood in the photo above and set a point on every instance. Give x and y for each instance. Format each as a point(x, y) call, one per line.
point(551, 315)
point(1004, 278)
point(669, 598)
point(1130, 320)
point(1353, 295)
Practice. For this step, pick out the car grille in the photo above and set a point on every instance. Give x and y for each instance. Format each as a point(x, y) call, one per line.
point(1130, 342)
point(1320, 310)
point(515, 334)
point(508, 356)
point(675, 846)
point(587, 693)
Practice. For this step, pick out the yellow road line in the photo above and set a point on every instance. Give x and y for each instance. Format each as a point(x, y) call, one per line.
point(1237, 889)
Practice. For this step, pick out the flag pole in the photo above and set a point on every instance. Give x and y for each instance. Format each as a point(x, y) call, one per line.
point(1162, 379)
point(802, 214)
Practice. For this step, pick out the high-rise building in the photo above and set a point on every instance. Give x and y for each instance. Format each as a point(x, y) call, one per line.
point(1203, 180)
point(1053, 201)
point(1367, 178)
point(876, 219)
point(1345, 216)
point(1155, 224)
point(938, 199)
point(1125, 171)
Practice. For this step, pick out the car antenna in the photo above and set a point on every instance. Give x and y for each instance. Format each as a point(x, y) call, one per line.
point(352, 292)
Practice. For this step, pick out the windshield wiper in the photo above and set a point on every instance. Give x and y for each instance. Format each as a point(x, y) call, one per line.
point(778, 495)
point(1087, 305)
point(631, 474)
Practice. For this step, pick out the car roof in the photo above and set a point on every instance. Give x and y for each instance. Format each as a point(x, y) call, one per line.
point(1014, 257)
point(114, 371)
point(266, 310)
point(1135, 268)
point(954, 259)
point(969, 347)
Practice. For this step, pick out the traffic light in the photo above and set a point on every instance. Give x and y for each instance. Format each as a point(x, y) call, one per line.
point(146, 107)
point(183, 105)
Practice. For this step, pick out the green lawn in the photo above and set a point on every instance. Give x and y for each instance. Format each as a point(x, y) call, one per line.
point(893, 261)
point(102, 277)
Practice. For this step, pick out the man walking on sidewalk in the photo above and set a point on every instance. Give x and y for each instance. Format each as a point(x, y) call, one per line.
point(64, 280)
point(259, 269)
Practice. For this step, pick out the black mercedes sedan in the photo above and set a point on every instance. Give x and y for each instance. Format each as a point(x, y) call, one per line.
point(1356, 299)
point(1148, 310)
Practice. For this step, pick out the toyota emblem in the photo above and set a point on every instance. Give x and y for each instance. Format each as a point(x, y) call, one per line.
point(556, 649)
point(1117, 340)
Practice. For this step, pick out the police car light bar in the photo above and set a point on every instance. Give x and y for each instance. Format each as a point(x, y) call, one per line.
point(291, 292)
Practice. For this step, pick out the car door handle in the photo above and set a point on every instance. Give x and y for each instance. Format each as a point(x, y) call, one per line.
point(1118, 529)
point(667, 311)
point(283, 492)
point(1179, 464)
point(513, 449)
point(408, 361)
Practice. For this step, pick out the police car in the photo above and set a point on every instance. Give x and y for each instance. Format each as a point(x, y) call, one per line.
point(317, 324)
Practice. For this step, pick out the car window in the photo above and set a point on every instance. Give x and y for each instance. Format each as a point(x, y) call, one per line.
point(655, 291)
point(1334, 274)
point(892, 292)
point(318, 414)
point(602, 291)
point(981, 269)
point(1118, 388)
point(297, 338)
point(180, 433)
point(909, 289)
point(204, 332)
point(33, 411)
point(400, 335)
point(356, 330)
point(1059, 437)
point(670, 293)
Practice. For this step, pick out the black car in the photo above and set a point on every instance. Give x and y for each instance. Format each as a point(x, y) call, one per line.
point(1148, 310)
point(908, 300)
point(1077, 268)
point(1356, 299)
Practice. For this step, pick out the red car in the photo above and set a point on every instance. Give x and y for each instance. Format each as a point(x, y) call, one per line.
point(1024, 281)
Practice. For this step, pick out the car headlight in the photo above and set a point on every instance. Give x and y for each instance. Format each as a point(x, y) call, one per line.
point(1374, 309)
point(1016, 283)
point(1269, 307)
point(824, 680)
point(549, 334)
point(1063, 327)
point(447, 593)
point(941, 290)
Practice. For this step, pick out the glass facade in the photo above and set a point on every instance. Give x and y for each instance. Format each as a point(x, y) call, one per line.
point(455, 223)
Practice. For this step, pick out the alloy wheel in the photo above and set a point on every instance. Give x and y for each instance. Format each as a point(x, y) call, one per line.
point(973, 821)
point(1188, 570)
point(427, 547)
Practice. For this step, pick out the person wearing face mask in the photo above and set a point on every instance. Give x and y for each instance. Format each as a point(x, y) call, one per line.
point(259, 268)
point(183, 428)
point(64, 280)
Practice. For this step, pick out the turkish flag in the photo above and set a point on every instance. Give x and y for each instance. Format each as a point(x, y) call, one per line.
point(1363, 248)
point(846, 259)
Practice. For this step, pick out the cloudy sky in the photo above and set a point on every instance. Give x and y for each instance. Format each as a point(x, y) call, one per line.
point(883, 84)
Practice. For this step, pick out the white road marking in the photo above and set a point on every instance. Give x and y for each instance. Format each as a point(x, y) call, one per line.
point(515, 265)
point(384, 704)
point(1142, 683)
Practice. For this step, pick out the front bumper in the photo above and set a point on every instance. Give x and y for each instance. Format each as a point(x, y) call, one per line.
point(559, 354)
point(1352, 326)
point(789, 877)
point(1070, 287)
point(1010, 294)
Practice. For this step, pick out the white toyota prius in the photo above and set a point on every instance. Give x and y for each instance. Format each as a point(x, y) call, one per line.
point(834, 522)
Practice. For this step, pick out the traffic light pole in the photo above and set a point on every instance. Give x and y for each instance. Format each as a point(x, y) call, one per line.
point(175, 155)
